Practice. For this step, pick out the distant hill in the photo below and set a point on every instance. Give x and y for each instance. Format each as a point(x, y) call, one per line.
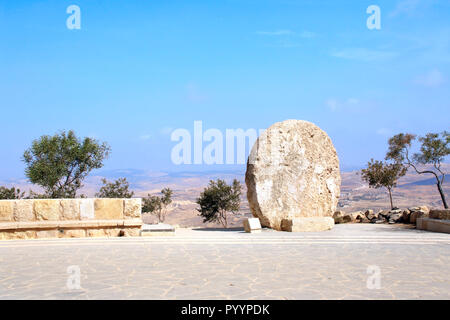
point(412, 190)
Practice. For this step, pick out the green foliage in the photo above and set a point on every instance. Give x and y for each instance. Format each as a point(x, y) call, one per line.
point(158, 205)
point(434, 148)
point(381, 174)
point(116, 189)
point(399, 146)
point(60, 163)
point(10, 193)
point(218, 199)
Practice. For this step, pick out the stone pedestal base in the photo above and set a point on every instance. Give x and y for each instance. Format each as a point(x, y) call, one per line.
point(162, 230)
point(310, 224)
point(252, 225)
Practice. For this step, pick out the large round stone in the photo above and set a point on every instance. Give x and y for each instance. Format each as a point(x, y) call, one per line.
point(293, 173)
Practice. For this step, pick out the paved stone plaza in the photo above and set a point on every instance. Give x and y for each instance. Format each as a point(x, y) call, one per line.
point(216, 264)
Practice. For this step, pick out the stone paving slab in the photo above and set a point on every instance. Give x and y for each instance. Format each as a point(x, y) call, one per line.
point(217, 264)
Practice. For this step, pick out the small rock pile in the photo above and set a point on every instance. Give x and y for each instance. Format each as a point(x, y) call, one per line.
point(392, 216)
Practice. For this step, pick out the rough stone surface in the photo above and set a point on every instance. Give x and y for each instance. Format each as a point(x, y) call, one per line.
point(338, 217)
point(73, 233)
point(395, 217)
point(47, 234)
point(440, 214)
point(132, 208)
point(23, 211)
point(347, 218)
point(87, 209)
point(292, 172)
point(405, 216)
point(47, 209)
point(70, 209)
point(371, 215)
point(108, 209)
point(6, 210)
point(417, 214)
point(310, 224)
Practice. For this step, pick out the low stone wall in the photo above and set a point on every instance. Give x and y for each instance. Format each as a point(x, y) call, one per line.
point(67, 218)
point(443, 214)
point(435, 225)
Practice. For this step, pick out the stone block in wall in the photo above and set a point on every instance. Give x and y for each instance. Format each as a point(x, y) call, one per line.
point(132, 232)
point(70, 209)
point(23, 211)
point(106, 209)
point(48, 209)
point(132, 208)
point(443, 214)
point(87, 209)
point(17, 235)
point(73, 233)
point(47, 234)
point(6, 210)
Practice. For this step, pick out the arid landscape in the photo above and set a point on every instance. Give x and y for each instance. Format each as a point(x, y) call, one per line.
point(412, 190)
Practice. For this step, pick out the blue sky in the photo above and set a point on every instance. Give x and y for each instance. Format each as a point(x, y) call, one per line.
point(138, 69)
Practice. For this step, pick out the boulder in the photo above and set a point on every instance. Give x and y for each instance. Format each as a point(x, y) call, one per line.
point(293, 173)
point(347, 218)
point(405, 216)
point(417, 214)
point(395, 218)
point(383, 213)
point(338, 217)
point(370, 214)
point(424, 209)
point(358, 215)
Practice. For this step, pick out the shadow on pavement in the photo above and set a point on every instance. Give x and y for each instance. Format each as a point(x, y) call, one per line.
point(219, 229)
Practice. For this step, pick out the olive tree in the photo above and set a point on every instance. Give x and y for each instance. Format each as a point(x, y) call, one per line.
point(218, 199)
point(59, 163)
point(11, 193)
point(434, 148)
point(158, 205)
point(382, 174)
point(116, 189)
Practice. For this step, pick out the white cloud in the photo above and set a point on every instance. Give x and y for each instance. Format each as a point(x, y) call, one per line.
point(332, 104)
point(145, 137)
point(352, 101)
point(363, 54)
point(307, 34)
point(408, 7)
point(166, 130)
point(433, 78)
point(349, 104)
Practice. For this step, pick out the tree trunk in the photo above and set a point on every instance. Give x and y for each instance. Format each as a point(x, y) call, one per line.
point(441, 192)
point(224, 219)
point(390, 198)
